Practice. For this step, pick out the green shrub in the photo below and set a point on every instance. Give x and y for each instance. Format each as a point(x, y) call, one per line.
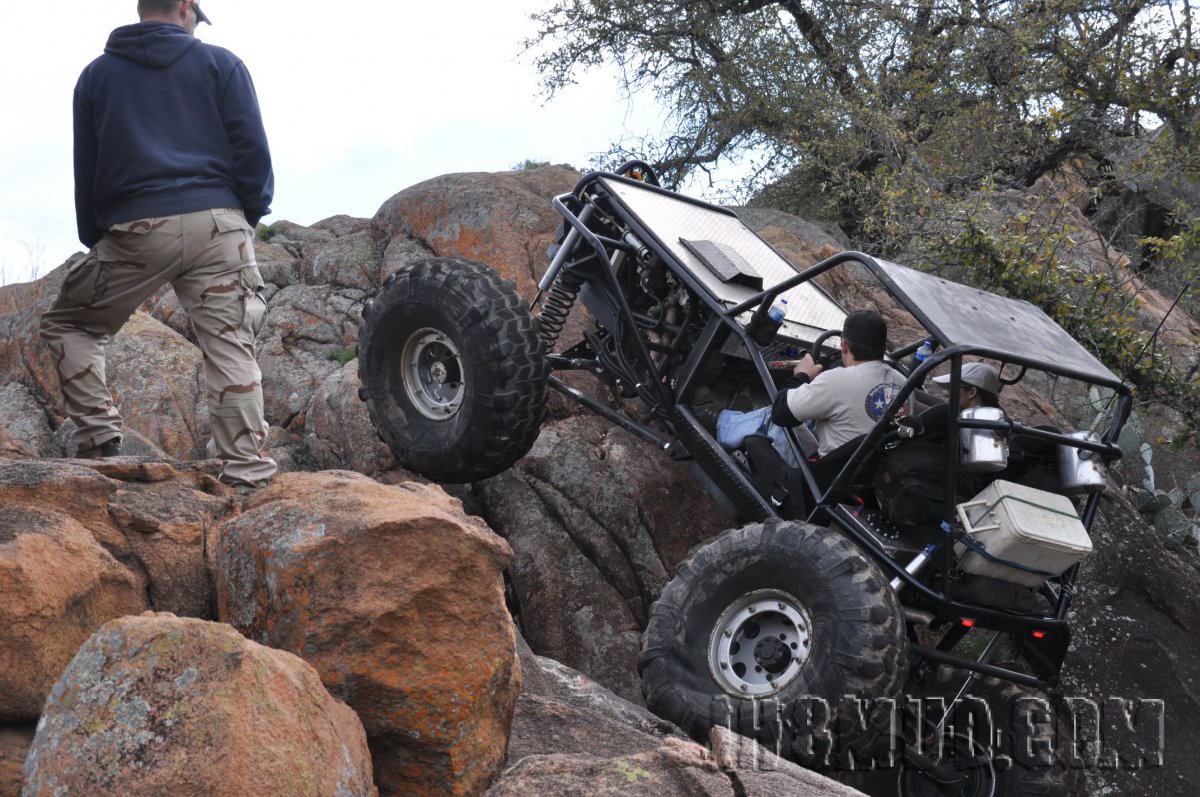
point(265, 232)
point(343, 355)
point(1032, 255)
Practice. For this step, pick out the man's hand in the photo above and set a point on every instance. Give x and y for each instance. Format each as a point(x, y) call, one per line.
point(808, 367)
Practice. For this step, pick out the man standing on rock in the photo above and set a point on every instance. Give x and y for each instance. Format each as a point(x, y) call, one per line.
point(172, 173)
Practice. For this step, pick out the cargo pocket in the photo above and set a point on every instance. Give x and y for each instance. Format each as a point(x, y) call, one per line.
point(79, 286)
point(254, 302)
point(128, 243)
point(232, 220)
point(139, 227)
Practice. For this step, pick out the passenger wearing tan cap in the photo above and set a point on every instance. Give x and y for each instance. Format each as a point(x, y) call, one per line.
point(979, 386)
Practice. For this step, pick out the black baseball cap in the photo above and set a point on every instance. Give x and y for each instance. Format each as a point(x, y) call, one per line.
point(866, 327)
point(200, 17)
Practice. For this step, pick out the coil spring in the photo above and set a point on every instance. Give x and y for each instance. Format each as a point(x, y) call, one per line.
point(557, 306)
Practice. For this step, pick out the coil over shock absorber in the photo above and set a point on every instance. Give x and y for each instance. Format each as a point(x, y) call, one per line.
point(561, 290)
point(557, 306)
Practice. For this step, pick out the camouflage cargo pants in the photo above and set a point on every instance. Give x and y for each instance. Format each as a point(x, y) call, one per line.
point(208, 257)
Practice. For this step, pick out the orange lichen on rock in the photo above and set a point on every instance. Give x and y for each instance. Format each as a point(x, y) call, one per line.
point(396, 597)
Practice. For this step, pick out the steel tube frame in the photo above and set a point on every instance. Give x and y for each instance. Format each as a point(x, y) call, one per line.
point(674, 394)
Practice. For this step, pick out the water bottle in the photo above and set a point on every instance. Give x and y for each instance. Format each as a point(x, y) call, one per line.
point(923, 353)
point(778, 312)
point(764, 330)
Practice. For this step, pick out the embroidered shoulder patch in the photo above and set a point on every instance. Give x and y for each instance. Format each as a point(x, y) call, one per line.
point(879, 398)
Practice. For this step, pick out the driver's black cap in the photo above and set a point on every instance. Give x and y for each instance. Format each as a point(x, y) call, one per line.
point(866, 327)
point(200, 17)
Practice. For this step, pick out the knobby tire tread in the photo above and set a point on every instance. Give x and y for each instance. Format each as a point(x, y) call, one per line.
point(1058, 778)
point(499, 344)
point(865, 647)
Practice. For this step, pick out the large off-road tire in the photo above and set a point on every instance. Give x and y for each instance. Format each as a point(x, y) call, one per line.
point(452, 370)
point(1002, 739)
point(767, 630)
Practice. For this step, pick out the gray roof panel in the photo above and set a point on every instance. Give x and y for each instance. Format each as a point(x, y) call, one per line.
point(961, 315)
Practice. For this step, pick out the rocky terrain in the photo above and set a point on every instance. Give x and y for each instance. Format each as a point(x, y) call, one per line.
point(354, 629)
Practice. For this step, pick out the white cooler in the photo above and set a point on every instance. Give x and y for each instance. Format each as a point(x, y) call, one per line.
point(1025, 525)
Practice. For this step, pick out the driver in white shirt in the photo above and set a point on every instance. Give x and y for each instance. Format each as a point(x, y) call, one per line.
point(843, 403)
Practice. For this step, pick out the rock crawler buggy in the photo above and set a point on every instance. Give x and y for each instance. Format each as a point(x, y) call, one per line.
point(852, 582)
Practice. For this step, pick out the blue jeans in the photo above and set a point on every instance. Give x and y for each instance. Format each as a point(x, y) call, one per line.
point(734, 427)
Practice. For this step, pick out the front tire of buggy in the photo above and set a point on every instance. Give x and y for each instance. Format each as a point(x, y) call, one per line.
point(767, 630)
point(452, 370)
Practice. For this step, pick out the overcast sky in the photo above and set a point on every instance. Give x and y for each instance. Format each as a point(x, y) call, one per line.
point(360, 99)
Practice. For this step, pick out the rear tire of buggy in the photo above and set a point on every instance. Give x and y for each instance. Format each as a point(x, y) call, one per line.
point(1032, 758)
point(811, 582)
point(452, 370)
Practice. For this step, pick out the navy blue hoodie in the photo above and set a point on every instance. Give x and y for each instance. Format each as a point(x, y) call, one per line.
point(166, 124)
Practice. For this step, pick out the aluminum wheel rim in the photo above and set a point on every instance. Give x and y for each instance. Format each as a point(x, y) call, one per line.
point(431, 370)
point(760, 644)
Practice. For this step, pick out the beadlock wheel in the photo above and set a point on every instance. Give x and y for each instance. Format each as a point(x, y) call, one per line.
point(433, 374)
point(784, 632)
point(452, 370)
point(760, 644)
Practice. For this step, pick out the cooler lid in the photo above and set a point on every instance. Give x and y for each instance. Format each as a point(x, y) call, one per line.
point(1033, 516)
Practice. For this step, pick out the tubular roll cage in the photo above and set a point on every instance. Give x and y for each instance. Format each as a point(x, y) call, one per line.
point(668, 386)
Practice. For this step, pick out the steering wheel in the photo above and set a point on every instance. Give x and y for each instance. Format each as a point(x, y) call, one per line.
point(814, 350)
